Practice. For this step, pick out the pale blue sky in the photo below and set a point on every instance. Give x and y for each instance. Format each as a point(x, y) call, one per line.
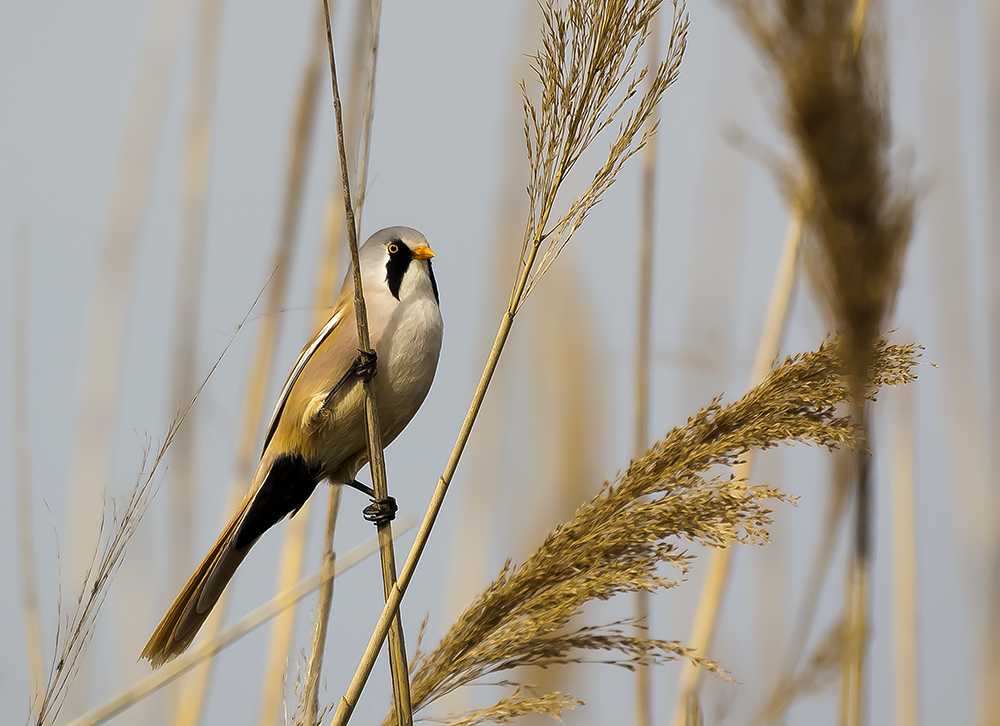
point(447, 128)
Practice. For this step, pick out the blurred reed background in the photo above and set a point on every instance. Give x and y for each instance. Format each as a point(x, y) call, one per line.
point(165, 162)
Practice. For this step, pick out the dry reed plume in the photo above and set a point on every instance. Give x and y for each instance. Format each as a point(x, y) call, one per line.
point(856, 210)
point(589, 50)
point(74, 633)
point(617, 542)
point(858, 214)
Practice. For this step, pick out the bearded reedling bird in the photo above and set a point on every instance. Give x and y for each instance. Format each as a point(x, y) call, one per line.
point(317, 430)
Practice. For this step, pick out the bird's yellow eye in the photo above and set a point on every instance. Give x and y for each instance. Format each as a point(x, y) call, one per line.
point(393, 248)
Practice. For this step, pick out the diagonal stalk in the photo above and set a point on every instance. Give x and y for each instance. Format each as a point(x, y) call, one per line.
point(208, 648)
point(350, 699)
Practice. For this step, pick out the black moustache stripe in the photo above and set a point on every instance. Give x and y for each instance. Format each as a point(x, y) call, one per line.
point(396, 267)
point(434, 285)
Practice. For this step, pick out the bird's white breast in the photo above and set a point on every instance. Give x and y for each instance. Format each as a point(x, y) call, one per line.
point(408, 351)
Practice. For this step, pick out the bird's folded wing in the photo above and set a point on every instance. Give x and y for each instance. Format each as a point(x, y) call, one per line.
point(343, 312)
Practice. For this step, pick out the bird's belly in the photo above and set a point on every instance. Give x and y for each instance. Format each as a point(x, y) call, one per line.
point(406, 369)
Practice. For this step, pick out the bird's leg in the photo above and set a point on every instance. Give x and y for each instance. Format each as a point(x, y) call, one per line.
point(365, 366)
point(380, 511)
point(363, 488)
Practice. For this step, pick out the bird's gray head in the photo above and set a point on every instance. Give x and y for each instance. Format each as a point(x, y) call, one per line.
point(399, 258)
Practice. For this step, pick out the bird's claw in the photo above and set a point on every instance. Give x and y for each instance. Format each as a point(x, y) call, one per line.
point(381, 511)
point(365, 366)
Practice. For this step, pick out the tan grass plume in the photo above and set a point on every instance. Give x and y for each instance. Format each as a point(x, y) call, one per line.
point(617, 541)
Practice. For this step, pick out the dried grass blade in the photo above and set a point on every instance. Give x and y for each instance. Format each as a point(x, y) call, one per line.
point(988, 711)
point(207, 649)
point(258, 378)
point(109, 314)
point(905, 595)
point(74, 635)
point(21, 415)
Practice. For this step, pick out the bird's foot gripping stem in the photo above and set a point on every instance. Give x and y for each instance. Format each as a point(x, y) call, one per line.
point(380, 511)
point(365, 366)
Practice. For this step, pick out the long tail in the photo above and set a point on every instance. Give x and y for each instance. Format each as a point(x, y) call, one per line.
point(195, 602)
point(285, 482)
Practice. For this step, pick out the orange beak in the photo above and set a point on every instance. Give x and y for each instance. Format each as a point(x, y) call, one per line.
point(423, 252)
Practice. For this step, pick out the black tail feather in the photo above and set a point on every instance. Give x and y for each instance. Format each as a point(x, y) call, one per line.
point(286, 488)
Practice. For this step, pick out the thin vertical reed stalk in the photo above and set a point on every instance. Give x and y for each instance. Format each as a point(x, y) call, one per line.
point(21, 426)
point(768, 347)
point(369, 114)
point(855, 651)
point(397, 650)
point(852, 685)
point(989, 699)
point(310, 696)
point(905, 637)
point(193, 212)
point(317, 647)
point(989, 695)
point(328, 278)
point(644, 326)
point(293, 551)
point(109, 313)
point(255, 394)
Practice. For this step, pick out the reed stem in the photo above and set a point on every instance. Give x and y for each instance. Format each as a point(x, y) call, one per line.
point(397, 649)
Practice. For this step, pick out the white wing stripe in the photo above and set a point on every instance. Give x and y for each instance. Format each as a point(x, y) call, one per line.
point(294, 375)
